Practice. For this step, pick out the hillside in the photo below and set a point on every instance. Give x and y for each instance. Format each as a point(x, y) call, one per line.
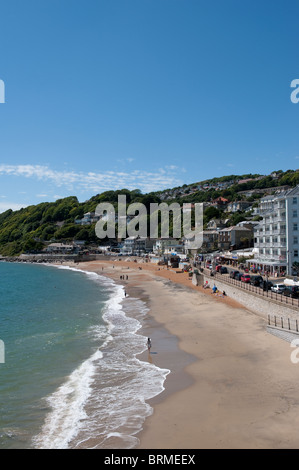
point(29, 229)
point(231, 186)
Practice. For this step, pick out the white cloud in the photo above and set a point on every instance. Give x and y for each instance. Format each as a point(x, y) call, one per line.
point(172, 167)
point(125, 160)
point(98, 182)
point(4, 206)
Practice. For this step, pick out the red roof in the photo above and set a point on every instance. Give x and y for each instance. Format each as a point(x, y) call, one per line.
point(220, 199)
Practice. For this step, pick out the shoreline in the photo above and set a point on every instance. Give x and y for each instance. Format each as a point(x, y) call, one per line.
point(232, 384)
point(141, 286)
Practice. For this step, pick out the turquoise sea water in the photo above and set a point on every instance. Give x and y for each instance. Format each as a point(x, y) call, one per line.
point(71, 377)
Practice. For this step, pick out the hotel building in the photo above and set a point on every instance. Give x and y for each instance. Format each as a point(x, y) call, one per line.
point(276, 236)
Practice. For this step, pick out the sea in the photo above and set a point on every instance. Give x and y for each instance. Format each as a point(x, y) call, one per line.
point(70, 376)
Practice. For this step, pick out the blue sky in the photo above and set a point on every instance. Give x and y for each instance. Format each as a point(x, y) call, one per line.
point(148, 94)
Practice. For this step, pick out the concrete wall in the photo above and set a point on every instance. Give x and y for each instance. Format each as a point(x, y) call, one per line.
point(260, 305)
point(54, 257)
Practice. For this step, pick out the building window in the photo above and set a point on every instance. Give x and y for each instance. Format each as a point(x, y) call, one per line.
point(295, 227)
point(296, 253)
point(294, 200)
point(295, 240)
point(294, 213)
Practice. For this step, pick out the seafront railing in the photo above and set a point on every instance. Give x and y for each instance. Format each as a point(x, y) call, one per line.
point(270, 295)
point(289, 324)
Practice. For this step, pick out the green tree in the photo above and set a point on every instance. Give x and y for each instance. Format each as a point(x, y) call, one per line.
point(83, 234)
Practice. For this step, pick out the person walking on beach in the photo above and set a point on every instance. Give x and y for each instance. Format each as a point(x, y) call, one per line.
point(149, 344)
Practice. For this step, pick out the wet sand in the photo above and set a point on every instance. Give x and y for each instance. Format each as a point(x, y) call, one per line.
point(232, 385)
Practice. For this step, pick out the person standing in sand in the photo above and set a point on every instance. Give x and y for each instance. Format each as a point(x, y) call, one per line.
point(149, 344)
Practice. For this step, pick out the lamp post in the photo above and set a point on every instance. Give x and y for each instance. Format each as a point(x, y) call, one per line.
point(289, 268)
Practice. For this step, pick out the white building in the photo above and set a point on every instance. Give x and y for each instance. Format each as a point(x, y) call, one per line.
point(88, 219)
point(137, 246)
point(59, 248)
point(167, 245)
point(276, 236)
point(236, 206)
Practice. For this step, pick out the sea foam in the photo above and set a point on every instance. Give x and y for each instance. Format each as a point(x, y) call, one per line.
point(103, 403)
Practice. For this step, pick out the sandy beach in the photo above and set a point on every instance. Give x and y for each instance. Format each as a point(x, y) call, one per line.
point(232, 384)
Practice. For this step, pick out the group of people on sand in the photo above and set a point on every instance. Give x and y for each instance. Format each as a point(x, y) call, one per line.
point(217, 292)
point(214, 289)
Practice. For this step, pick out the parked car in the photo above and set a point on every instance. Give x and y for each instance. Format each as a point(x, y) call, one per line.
point(256, 280)
point(218, 268)
point(223, 270)
point(278, 288)
point(233, 274)
point(266, 285)
point(238, 276)
point(292, 291)
point(245, 278)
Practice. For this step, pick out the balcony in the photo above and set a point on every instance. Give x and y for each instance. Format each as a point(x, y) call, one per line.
point(279, 218)
point(279, 245)
point(264, 259)
point(261, 245)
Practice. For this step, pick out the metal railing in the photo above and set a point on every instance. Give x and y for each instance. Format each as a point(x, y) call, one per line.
point(289, 324)
point(270, 295)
